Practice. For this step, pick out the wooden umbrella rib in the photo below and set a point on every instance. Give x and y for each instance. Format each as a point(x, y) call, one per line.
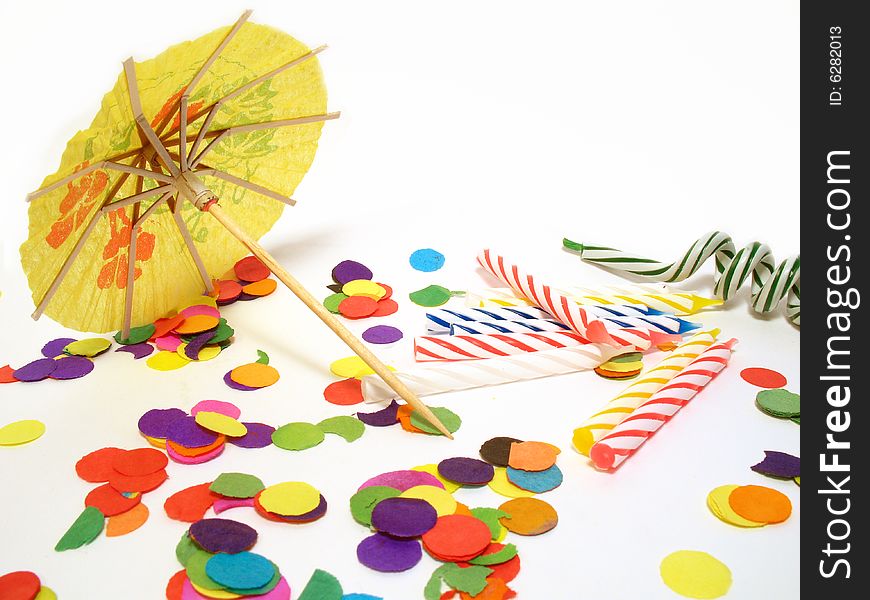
point(156, 175)
point(135, 198)
point(144, 125)
point(259, 189)
point(103, 164)
point(131, 254)
point(212, 110)
point(222, 133)
point(191, 247)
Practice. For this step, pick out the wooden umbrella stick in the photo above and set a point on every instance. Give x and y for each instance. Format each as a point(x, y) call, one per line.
point(340, 330)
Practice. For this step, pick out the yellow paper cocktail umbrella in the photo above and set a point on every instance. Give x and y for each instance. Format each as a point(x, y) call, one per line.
point(190, 160)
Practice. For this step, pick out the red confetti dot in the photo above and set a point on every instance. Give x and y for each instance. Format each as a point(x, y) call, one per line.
point(142, 483)
point(357, 307)
point(344, 392)
point(251, 269)
point(766, 378)
point(110, 501)
point(139, 462)
point(189, 505)
point(228, 290)
point(6, 375)
point(175, 586)
point(457, 537)
point(19, 585)
point(386, 307)
point(96, 467)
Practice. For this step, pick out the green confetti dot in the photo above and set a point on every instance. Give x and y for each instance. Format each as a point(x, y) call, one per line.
point(364, 501)
point(322, 586)
point(185, 549)
point(273, 583)
point(263, 358)
point(471, 580)
point(431, 296)
point(83, 531)
point(350, 428)
point(496, 558)
point(331, 302)
point(237, 485)
point(627, 358)
point(491, 517)
point(137, 335)
point(222, 333)
point(796, 419)
point(195, 569)
point(779, 403)
point(297, 436)
point(449, 418)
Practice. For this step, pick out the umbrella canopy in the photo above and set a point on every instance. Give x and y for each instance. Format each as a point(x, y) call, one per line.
point(109, 233)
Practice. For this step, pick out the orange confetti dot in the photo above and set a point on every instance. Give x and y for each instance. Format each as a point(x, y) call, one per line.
point(404, 416)
point(192, 452)
point(197, 324)
point(264, 287)
point(761, 504)
point(128, 521)
point(255, 375)
point(457, 537)
point(164, 326)
point(528, 516)
point(495, 589)
point(532, 456)
point(6, 375)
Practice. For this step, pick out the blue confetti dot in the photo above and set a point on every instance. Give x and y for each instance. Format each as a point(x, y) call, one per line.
point(244, 570)
point(536, 481)
point(426, 260)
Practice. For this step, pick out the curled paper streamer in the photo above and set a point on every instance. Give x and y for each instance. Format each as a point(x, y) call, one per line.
point(624, 440)
point(658, 298)
point(650, 382)
point(463, 375)
point(560, 307)
point(469, 347)
point(770, 284)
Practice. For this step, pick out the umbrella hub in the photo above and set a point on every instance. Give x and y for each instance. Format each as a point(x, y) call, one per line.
point(191, 187)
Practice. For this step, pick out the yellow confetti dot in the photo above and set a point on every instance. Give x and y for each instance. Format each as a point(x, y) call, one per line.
point(441, 500)
point(363, 287)
point(501, 485)
point(21, 432)
point(432, 469)
point(219, 594)
point(291, 498)
point(166, 361)
point(717, 502)
point(695, 574)
point(797, 480)
point(352, 366)
point(221, 423)
point(205, 353)
point(45, 593)
point(88, 347)
point(156, 442)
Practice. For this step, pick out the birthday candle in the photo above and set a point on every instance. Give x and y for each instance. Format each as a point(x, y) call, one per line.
point(649, 382)
point(530, 326)
point(467, 347)
point(563, 309)
point(769, 283)
point(439, 320)
point(446, 377)
point(624, 440)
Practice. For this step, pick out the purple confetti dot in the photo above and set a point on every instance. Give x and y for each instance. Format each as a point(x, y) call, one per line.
point(186, 432)
point(237, 386)
point(382, 334)
point(72, 367)
point(350, 270)
point(388, 555)
point(259, 436)
point(156, 421)
point(55, 347)
point(36, 370)
point(467, 471)
point(246, 297)
point(779, 464)
point(382, 418)
point(404, 517)
point(223, 535)
point(196, 344)
point(137, 350)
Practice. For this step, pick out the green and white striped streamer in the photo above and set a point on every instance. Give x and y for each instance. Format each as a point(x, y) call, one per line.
point(770, 283)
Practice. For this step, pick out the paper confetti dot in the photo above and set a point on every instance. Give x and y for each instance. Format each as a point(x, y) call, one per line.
point(440, 499)
point(357, 307)
point(457, 537)
point(21, 432)
point(219, 423)
point(402, 480)
point(386, 307)
point(333, 302)
point(501, 485)
point(432, 469)
point(251, 269)
point(496, 451)
point(350, 270)
point(244, 570)
point(345, 393)
point(431, 296)
point(761, 377)
point(259, 289)
point(536, 481)
point(778, 464)
point(532, 456)
point(223, 535)
point(166, 361)
point(717, 502)
point(426, 260)
point(349, 428)
point(218, 406)
point(297, 436)
point(255, 375)
point(237, 485)
point(290, 498)
point(448, 418)
point(760, 503)
point(36, 370)
point(382, 334)
point(137, 335)
point(528, 516)
point(364, 501)
point(88, 347)
point(779, 403)
point(55, 347)
point(72, 367)
point(127, 522)
point(84, 530)
point(695, 574)
point(403, 517)
point(466, 471)
point(351, 366)
point(389, 555)
point(364, 287)
point(259, 436)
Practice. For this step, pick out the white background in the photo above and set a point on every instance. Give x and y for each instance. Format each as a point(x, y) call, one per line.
point(638, 124)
